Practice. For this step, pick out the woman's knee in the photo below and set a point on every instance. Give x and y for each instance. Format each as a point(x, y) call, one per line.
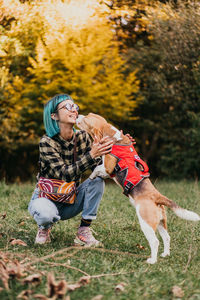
point(44, 211)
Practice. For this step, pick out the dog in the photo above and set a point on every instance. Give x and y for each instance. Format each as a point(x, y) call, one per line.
point(147, 200)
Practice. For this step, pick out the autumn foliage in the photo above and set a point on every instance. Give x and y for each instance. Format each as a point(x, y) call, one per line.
point(134, 62)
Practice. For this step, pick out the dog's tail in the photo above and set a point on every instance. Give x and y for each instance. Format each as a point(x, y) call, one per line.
point(179, 211)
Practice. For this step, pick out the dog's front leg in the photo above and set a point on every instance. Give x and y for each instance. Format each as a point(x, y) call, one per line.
point(99, 171)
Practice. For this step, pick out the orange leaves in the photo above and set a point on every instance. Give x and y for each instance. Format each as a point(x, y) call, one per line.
point(4, 275)
point(56, 289)
point(17, 242)
point(10, 269)
point(82, 281)
point(34, 279)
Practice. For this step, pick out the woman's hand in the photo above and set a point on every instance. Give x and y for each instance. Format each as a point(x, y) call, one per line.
point(102, 147)
point(130, 138)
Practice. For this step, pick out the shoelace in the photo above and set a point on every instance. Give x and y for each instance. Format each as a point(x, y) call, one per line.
point(87, 233)
point(43, 233)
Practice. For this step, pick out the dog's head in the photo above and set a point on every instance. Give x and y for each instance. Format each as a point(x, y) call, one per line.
point(98, 127)
point(93, 124)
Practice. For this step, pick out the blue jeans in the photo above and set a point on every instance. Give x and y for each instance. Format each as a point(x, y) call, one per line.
point(47, 212)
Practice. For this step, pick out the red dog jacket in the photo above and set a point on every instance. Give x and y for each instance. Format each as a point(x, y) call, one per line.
point(133, 167)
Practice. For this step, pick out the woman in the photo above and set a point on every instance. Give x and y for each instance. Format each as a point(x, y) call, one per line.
point(56, 150)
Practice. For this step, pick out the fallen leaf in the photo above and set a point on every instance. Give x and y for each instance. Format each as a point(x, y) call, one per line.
point(4, 275)
point(120, 287)
point(177, 291)
point(21, 223)
point(15, 269)
point(17, 242)
point(74, 286)
point(4, 256)
point(41, 297)
point(56, 288)
point(24, 295)
point(34, 278)
point(84, 280)
point(140, 246)
point(98, 297)
point(3, 216)
point(67, 298)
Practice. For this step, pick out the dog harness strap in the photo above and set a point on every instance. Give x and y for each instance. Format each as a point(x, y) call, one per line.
point(128, 187)
point(117, 168)
point(129, 159)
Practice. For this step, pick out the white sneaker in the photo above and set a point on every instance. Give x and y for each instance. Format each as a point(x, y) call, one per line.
point(43, 236)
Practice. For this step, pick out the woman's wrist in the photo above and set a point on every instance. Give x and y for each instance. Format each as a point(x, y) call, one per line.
point(92, 154)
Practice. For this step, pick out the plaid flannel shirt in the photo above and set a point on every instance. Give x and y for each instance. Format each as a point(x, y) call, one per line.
point(57, 157)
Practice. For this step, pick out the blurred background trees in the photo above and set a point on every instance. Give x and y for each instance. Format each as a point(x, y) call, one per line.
point(134, 62)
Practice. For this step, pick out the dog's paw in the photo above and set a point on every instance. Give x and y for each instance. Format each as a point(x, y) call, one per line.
point(93, 176)
point(151, 260)
point(99, 171)
point(164, 254)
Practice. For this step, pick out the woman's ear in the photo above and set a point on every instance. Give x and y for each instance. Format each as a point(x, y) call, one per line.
point(54, 117)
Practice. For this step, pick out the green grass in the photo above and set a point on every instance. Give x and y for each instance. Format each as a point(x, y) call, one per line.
point(117, 227)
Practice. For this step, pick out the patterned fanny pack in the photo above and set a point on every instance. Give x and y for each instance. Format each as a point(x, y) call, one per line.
point(57, 190)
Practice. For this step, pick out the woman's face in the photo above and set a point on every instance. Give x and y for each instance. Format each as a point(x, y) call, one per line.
point(66, 112)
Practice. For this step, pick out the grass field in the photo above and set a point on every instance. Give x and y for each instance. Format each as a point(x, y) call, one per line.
point(118, 271)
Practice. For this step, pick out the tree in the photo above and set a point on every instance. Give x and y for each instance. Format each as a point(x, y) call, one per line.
point(169, 115)
point(66, 47)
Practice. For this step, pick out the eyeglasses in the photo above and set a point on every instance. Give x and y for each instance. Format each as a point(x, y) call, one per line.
point(69, 107)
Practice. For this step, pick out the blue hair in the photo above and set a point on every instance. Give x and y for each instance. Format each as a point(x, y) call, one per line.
point(51, 126)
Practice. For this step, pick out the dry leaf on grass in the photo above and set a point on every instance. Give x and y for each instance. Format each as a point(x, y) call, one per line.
point(24, 295)
point(1, 234)
point(98, 297)
point(12, 269)
point(3, 216)
point(21, 223)
point(4, 275)
point(56, 288)
point(34, 279)
point(140, 246)
point(17, 242)
point(82, 281)
point(15, 269)
point(73, 286)
point(41, 297)
point(4, 256)
point(120, 287)
point(177, 291)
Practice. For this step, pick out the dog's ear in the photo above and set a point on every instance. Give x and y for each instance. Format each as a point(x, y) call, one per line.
point(97, 133)
point(110, 163)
